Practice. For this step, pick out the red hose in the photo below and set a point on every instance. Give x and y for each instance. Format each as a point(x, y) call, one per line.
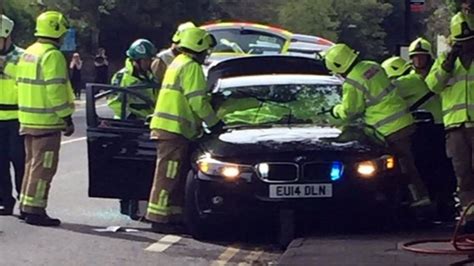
point(459, 244)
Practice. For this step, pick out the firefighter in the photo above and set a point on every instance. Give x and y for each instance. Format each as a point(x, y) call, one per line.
point(428, 141)
point(11, 143)
point(46, 103)
point(136, 71)
point(165, 57)
point(182, 106)
point(368, 93)
point(452, 77)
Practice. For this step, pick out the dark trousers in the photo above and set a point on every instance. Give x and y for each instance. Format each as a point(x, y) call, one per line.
point(12, 151)
point(434, 165)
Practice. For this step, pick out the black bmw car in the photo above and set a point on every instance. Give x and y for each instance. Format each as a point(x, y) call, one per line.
point(280, 149)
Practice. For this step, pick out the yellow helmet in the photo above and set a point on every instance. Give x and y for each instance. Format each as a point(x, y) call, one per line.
point(460, 30)
point(339, 58)
point(181, 28)
point(6, 26)
point(51, 24)
point(196, 40)
point(395, 66)
point(420, 46)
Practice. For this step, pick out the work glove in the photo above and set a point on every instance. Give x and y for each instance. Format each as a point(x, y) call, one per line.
point(217, 128)
point(450, 60)
point(69, 130)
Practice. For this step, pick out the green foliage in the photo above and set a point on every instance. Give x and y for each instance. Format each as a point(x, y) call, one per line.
point(314, 17)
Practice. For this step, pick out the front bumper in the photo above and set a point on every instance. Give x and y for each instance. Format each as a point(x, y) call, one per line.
point(218, 197)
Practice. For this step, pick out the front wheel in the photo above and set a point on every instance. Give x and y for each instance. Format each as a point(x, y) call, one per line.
point(197, 224)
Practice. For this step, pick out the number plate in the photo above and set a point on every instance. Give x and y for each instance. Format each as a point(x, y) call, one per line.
point(301, 191)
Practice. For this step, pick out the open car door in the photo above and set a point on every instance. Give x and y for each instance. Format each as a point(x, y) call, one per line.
point(120, 153)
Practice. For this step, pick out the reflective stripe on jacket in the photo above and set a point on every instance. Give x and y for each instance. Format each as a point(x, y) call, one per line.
point(183, 103)
point(412, 87)
point(124, 78)
point(45, 95)
point(8, 89)
point(368, 93)
point(456, 89)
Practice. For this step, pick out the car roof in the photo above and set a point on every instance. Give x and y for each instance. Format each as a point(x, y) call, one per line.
point(311, 39)
point(278, 79)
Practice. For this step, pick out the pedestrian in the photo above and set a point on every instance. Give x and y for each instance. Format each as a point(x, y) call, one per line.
point(428, 141)
point(165, 57)
point(75, 73)
point(452, 77)
point(101, 64)
point(11, 143)
point(368, 93)
point(46, 104)
point(182, 107)
point(136, 71)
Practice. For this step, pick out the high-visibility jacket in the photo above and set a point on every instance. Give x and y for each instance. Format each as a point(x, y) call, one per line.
point(45, 95)
point(8, 89)
point(136, 106)
point(183, 103)
point(412, 87)
point(368, 93)
point(456, 89)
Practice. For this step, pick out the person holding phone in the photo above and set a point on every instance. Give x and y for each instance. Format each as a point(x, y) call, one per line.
point(452, 77)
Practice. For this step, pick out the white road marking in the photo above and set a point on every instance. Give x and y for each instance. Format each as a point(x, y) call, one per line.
point(164, 243)
point(227, 255)
point(73, 140)
point(253, 256)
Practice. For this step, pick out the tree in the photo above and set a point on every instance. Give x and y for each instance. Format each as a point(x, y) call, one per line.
point(314, 17)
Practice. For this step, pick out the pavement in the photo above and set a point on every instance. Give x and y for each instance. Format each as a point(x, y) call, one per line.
point(83, 238)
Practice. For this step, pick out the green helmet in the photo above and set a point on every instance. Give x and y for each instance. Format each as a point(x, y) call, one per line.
point(51, 24)
point(460, 30)
point(141, 49)
point(339, 58)
point(395, 66)
point(6, 26)
point(420, 46)
point(196, 40)
point(181, 28)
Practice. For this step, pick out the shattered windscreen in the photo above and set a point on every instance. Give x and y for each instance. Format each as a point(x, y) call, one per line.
point(278, 104)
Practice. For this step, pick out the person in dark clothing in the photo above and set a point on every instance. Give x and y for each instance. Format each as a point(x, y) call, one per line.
point(75, 71)
point(101, 67)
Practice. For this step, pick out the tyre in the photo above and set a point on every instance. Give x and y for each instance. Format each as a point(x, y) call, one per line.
point(198, 224)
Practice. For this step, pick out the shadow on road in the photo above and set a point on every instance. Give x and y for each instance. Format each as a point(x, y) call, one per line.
point(91, 230)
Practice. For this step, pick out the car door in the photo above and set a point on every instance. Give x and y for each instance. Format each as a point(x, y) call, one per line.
point(120, 153)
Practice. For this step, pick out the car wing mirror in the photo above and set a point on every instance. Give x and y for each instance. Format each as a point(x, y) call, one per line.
point(423, 116)
point(148, 120)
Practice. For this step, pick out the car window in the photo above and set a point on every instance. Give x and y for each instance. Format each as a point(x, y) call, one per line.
point(132, 104)
point(247, 41)
point(277, 104)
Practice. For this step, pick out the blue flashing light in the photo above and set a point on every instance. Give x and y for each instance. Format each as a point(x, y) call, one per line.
point(336, 170)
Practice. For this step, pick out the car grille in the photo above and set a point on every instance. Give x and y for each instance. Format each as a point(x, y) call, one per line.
point(317, 171)
point(281, 172)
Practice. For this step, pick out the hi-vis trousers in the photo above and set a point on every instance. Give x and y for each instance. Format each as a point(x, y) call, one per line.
point(42, 154)
point(167, 193)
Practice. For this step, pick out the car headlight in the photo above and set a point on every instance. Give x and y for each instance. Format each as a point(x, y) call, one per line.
point(213, 167)
point(369, 169)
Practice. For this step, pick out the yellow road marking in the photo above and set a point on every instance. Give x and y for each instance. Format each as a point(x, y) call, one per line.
point(164, 243)
point(252, 257)
point(227, 255)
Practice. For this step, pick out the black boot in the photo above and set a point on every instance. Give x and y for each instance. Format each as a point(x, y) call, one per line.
point(167, 228)
point(22, 215)
point(41, 220)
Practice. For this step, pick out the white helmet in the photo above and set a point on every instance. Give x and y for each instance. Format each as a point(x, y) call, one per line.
point(6, 26)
